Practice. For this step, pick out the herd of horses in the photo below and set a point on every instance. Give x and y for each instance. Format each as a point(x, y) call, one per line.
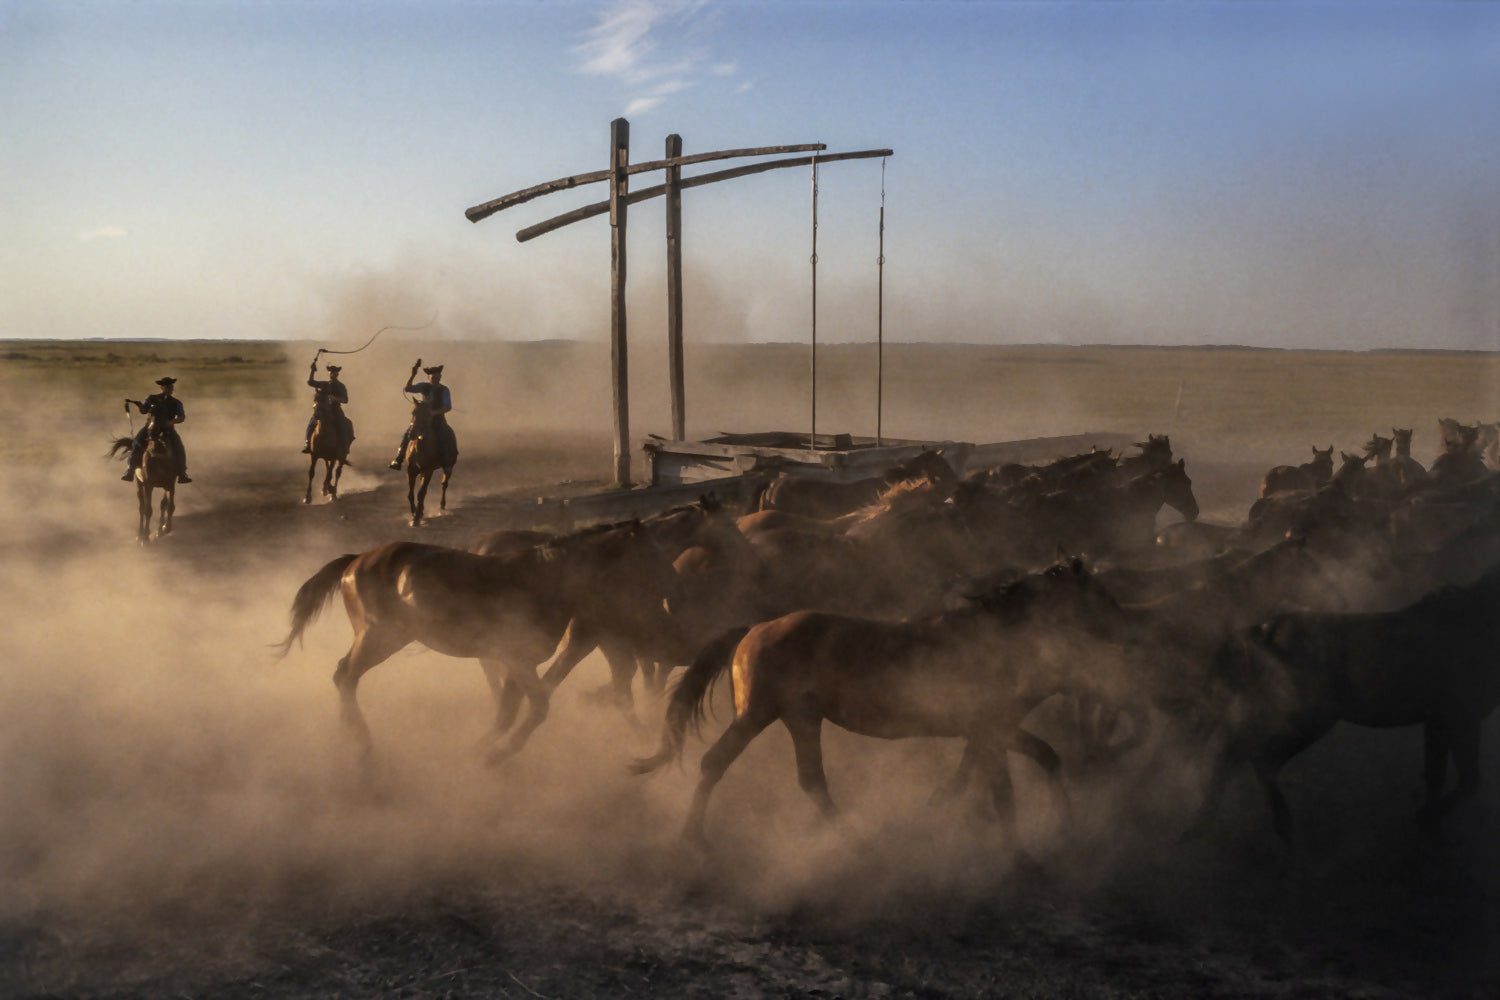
point(929, 604)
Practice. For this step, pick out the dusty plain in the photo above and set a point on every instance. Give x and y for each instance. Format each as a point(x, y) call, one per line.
point(180, 815)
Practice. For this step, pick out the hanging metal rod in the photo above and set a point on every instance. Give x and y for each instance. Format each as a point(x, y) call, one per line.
point(489, 208)
point(645, 194)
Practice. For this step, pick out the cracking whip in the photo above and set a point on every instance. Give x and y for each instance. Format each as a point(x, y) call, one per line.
point(324, 350)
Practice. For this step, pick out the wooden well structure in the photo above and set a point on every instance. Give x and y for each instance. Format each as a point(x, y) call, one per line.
point(674, 452)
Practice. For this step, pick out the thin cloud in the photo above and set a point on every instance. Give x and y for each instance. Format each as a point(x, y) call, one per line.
point(630, 38)
point(103, 233)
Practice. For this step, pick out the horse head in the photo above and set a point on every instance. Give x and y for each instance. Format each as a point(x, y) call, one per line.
point(1177, 489)
point(1378, 448)
point(1402, 440)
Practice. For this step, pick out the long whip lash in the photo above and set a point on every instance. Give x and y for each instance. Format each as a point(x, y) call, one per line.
point(325, 350)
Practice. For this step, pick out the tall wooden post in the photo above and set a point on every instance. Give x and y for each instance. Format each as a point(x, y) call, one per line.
point(812, 439)
point(674, 288)
point(619, 187)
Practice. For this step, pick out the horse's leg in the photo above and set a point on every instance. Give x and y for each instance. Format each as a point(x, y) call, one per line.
point(807, 740)
point(715, 762)
point(1436, 745)
point(422, 498)
point(443, 502)
point(167, 507)
point(1463, 744)
point(577, 642)
point(312, 470)
point(992, 758)
point(411, 493)
point(538, 694)
point(621, 672)
point(371, 647)
point(338, 473)
point(507, 697)
point(143, 510)
point(1039, 750)
point(955, 785)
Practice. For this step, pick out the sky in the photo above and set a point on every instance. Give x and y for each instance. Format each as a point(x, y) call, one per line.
point(1271, 174)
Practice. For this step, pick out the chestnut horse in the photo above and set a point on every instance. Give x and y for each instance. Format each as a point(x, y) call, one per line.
point(510, 611)
point(974, 673)
point(159, 468)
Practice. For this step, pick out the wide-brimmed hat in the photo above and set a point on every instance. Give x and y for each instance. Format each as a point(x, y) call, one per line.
point(335, 369)
point(434, 370)
point(165, 380)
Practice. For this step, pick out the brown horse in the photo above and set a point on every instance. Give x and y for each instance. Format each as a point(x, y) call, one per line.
point(159, 468)
point(1307, 476)
point(331, 439)
point(510, 611)
point(1288, 682)
point(822, 498)
point(426, 453)
point(1111, 519)
point(974, 673)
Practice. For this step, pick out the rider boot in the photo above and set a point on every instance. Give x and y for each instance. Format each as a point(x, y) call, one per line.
point(129, 475)
point(307, 448)
point(182, 477)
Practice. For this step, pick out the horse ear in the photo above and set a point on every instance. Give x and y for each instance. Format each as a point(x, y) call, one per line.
point(1182, 464)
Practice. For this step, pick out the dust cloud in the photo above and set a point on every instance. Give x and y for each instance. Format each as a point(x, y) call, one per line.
point(170, 787)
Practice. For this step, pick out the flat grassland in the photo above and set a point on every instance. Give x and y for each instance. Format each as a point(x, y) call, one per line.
point(181, 816)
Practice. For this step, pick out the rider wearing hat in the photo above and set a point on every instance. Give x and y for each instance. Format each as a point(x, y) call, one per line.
point(332, 395)
point(165, 410)
point(438, 399)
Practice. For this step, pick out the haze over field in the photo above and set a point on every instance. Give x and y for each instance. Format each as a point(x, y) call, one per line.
point(1292, 174)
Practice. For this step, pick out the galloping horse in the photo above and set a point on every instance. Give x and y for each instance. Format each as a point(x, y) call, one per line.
point(426, 453)
point(160, 466)
point(1433, 663)
point(329, 443)
point(974, 673)
point(821, 498)
point(510, 610)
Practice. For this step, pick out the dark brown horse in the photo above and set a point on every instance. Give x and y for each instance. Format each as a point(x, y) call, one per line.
point(426, 453)
point(329, 443)
point(509, 611)
point(1113, 519)
point(1307, 476)
point(823, 498)
point(1435, 663)
point(974, 674)
point(159, 469)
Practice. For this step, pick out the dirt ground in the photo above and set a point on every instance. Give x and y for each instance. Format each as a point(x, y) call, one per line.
point(181, 816)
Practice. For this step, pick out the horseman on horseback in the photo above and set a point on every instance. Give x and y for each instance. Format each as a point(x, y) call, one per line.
point(166, 412)
point(439, 401)
point(329, 398)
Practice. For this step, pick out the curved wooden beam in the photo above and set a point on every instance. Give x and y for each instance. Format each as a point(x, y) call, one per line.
point(505, 201)
point(645, 194)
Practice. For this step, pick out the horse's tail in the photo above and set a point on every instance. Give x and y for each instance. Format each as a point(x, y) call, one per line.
point(312, 597)
point(688, 698)
point(120, 444)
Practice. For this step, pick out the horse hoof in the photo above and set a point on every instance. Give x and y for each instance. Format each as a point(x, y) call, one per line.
point(307, 500)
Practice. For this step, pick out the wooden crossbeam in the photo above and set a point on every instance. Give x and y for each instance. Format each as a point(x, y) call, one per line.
point(644, 194)
point(505, 201)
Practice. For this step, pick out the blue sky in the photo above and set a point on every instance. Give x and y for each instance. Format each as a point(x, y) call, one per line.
point(1281, 174)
